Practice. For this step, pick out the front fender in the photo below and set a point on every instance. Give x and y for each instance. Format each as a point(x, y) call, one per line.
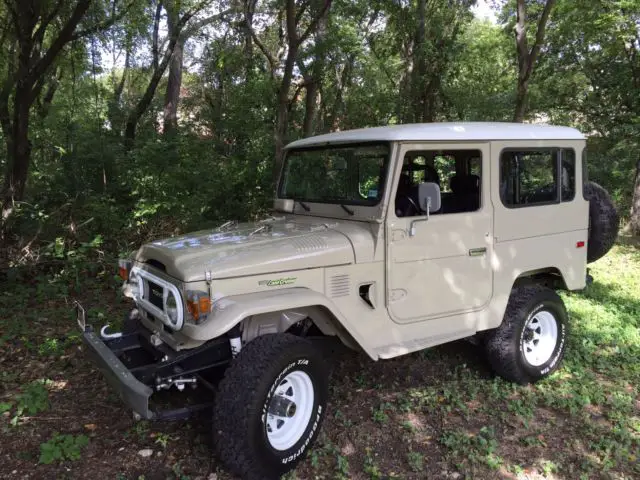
point(230, 311)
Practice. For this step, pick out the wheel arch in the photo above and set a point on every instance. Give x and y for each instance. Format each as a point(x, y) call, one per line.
point(551, 277)
point(276, 311)
point(281, 321)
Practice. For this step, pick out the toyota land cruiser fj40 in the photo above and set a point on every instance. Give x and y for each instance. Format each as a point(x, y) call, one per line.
point(390, 239)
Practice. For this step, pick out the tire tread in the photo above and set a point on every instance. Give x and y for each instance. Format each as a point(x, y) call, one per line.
point(501, 349)
point(236, 394)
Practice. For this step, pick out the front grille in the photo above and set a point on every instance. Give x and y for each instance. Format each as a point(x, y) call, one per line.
point(152, 291)
point(156, 294)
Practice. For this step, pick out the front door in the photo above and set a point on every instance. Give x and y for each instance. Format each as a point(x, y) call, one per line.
point(441, 265)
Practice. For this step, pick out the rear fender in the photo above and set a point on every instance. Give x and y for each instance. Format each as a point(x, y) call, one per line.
point(281, 308)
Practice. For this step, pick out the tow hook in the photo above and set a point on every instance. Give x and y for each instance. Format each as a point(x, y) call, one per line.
point(109, 336)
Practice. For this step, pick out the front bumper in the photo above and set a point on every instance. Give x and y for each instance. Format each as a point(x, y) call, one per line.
point(132, 391)
point(136, 365)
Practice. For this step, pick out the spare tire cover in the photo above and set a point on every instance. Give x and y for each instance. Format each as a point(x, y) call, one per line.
point(603, 221)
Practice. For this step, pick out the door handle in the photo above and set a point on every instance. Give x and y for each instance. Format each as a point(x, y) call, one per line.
point(477, 252)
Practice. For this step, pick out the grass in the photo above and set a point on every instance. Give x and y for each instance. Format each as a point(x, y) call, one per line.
point(434, 414)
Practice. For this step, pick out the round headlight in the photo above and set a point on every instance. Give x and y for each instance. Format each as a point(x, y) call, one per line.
point(171, 307)
point(136, 285)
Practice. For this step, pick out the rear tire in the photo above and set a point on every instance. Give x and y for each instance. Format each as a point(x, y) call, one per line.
point(530, 343)
point(269, 406)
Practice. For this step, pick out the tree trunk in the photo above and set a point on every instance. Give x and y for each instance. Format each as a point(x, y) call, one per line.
point(280, 131)
point(144, 102)
point(114, 107)
point(172, 94)
point(634, 221)
point(174, 81)
point(294, 40)
point(31, 22)
point(18, 150)
point(527, 58)
point(310, 108)
point(419, 85)
point(249, 8)
point(521, 101)
point(314, 81)
point(336, 114)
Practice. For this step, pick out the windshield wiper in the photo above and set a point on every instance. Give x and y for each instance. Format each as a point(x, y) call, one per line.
point(304, 205)
point(347, 209)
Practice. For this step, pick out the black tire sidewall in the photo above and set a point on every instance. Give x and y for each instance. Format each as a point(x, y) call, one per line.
point(547, 301)
point(298, 360)
point(603, 221)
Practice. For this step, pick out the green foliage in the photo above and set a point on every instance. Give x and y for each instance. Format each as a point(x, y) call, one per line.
point(370, 467)
point(62, 447)
point(481, 87)
point(416, 461)
point(480, 446)
point(32, 400)
point(380, 63)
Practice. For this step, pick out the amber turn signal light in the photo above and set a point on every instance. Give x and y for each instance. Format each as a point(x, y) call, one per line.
point(198, 305)
point(124, 267)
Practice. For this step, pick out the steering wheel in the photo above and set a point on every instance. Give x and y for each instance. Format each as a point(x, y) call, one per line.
point(411, 209)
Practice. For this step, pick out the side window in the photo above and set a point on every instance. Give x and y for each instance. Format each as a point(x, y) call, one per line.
point(568, 183)
point(530, 177)
point(585, 171)
point(457, 173)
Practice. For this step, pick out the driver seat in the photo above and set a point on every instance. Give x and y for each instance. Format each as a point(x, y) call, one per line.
point(402, 203)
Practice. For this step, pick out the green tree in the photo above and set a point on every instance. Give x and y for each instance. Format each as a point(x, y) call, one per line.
point(34, 34)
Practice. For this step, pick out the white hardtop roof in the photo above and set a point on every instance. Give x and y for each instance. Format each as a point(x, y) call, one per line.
point(458, 131)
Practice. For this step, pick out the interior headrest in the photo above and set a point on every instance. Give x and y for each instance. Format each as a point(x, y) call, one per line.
point(465, 184)
point(431, 174)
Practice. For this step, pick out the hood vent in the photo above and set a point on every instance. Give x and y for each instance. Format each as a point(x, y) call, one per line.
point(339, 286)
point(310, 243)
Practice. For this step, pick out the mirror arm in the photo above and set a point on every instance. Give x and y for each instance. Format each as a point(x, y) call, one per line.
point(412, 228)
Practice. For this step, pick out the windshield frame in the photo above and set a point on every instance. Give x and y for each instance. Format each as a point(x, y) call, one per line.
point(329, 146)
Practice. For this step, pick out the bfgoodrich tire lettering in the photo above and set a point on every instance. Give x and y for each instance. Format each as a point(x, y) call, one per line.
point(506, 345)
point(244, 399)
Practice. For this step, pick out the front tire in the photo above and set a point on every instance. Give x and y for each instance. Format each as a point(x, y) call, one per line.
point(530, 343)
point(269, 406)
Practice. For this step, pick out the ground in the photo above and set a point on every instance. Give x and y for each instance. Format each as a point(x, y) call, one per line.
point(434, 414)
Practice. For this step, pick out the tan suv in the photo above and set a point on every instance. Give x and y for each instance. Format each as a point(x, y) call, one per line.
point(390, 239)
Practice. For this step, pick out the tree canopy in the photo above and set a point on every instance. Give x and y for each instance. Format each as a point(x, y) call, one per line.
point(151, 117)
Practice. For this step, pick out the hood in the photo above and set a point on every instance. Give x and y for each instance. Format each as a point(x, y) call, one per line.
point(251, 249)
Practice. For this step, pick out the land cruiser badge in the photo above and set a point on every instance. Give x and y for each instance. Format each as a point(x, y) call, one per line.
point(277, 282)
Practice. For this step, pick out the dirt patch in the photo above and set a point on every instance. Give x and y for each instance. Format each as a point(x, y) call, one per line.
point(433, 414)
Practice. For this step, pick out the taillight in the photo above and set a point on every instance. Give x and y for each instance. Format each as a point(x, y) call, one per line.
point(198, 305)
point(124, 267)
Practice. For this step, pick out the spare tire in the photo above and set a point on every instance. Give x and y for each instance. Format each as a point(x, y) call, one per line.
point(603, 221)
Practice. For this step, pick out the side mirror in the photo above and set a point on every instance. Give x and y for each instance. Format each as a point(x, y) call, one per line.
point(429, 200)
point(429, 197)
point(284, 205)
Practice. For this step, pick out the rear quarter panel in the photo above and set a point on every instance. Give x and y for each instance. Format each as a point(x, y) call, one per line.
point(536, 237)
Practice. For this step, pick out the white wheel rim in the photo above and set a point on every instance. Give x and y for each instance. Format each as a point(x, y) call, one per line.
point(539, 338)
point(289, 410)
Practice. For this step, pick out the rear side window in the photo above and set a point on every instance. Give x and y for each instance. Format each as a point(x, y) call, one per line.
point(585, 170)
point(537, 177)
point(568, 179)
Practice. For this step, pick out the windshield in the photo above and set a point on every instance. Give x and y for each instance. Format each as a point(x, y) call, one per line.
point(347, 174)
